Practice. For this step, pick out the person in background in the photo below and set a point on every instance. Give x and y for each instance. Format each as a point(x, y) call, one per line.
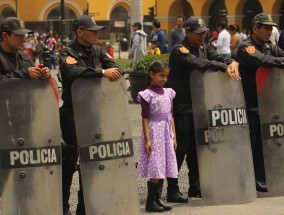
point(177, 34)
point(154, 48)
point(109, 49)
point(236, 40)
point(223, 41)
point(139, 40)
point(160, 35)
point(274, 38)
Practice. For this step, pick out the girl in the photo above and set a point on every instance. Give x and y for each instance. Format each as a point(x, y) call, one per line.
point(157, 158)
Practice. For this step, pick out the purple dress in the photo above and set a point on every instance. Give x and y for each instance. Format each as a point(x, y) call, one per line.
point(161, 162)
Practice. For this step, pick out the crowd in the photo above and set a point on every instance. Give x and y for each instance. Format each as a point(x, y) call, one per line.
point(167, 115)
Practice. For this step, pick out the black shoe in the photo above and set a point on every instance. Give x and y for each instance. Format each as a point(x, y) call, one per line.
point(194, 192)
point(260, 187)
point(176, 197)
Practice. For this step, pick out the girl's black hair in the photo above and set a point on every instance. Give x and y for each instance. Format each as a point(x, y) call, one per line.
point(155, 67)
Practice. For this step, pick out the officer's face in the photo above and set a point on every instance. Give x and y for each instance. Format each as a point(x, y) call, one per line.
point(12, 42)
point(196, 39)
point(262, 34)
point(87, 37)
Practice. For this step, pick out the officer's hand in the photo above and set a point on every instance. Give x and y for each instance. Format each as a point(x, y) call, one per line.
point(112, 74)
point(148, 147)
point(233, 71)
point(34, 72)
point(45, 73)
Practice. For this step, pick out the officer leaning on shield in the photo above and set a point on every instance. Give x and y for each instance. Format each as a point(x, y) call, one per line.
point(14, 62)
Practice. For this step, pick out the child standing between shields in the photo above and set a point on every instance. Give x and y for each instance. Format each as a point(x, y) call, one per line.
point(157, 159)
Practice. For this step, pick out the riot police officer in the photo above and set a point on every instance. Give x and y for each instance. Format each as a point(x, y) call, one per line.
point(82, 59)
point(14, 62)
point(253, 53)
point(191, 54)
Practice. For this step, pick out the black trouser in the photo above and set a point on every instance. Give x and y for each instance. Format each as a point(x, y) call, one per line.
point(69, 159)
point(186, 146)
point(256, 145)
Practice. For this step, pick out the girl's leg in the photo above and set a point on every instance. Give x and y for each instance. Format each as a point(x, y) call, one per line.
point(151, 204)
point(159, 195)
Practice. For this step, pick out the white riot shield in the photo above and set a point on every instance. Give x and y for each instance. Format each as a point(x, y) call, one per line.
point(222, 136)
point(30, 149)
point(105, 146)
point(270, 89)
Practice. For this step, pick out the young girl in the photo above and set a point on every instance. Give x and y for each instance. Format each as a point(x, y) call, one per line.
point(157, 159)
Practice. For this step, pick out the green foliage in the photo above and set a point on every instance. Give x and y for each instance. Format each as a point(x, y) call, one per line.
point(148, 59)
point(123, 63)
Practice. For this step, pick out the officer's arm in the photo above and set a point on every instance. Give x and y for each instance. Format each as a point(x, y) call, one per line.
point(249, 55)
point(182, 56)
point(71, 69)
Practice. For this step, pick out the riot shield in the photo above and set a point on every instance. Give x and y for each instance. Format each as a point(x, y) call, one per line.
point(270, 88)
point(222, 138)
point(30, 151)
point(105, 146)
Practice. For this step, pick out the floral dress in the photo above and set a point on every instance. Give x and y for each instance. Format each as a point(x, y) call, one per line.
point(161, 162)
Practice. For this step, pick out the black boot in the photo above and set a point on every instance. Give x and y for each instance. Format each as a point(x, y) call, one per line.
point(151, 204)
point(194, 189)
point(261, 187)
point(173, 193)
point(159, 195)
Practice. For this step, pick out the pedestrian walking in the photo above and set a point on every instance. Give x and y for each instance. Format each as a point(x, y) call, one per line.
point(157, 158)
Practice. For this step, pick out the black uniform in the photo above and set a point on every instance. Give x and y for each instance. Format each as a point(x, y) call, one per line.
point(252, 56)
point(15, 65)
point(184, 59)
point(76, 61)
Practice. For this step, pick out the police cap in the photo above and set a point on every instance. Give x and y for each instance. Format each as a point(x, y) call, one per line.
point(264, 19)
point(196, 25)
point(86, 22)
point(15, 25)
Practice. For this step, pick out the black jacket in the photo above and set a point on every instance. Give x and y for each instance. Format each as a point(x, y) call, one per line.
point(15, 65)
point(182, 64)
point(265, 55)
point(78, 62)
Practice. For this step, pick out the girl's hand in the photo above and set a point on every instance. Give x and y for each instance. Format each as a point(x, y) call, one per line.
point(148, 147)
point(175, 144)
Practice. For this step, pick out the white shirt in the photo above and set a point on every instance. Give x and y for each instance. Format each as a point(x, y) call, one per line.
point(223, 42)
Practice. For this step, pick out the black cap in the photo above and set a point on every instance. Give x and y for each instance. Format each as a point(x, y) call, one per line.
point(15, 25)
point(195, 24)
point(137, 24)
point(86, 22)
point(264, 19)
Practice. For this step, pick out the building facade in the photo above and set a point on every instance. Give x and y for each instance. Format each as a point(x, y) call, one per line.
point(45, 15)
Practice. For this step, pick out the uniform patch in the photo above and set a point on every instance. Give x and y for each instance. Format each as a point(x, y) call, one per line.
point(250, 49)
point(107, 54)
point(184, 50)
point(71, 60)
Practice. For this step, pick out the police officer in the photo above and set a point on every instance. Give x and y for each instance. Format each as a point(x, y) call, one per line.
point(14, 62)
point(191, 54)
point(82, 59)
point(253, 53)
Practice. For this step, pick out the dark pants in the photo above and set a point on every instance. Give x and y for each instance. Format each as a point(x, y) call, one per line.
point(256, 145)
point(69, 159)
point(186, 146)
